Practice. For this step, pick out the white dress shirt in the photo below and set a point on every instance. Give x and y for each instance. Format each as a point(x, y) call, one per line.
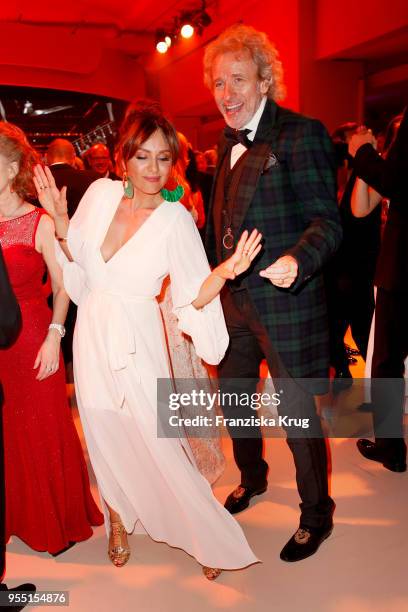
point(239, 149)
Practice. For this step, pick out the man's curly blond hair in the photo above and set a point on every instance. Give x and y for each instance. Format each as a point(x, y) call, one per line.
point(238, 38)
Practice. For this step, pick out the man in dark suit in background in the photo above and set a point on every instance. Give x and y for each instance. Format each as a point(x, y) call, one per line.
point(10, 321)
point(276, 173)
point(389, 178)
point(99, 159)
point(60, 158)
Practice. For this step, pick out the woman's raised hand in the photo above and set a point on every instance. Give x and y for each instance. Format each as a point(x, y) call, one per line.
point(51, 198)
point(247, 249)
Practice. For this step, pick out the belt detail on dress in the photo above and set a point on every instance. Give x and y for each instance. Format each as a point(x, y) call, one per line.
point(120, 333)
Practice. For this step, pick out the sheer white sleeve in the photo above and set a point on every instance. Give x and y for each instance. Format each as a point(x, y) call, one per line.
point(188, 268)
point(80, 233)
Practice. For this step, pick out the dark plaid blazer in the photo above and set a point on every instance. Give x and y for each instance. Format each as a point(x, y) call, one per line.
point(288, 192)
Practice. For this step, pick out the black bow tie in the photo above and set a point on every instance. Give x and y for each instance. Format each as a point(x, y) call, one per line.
point(238, 136)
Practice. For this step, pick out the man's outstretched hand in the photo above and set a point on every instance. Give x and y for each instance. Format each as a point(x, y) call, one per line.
point(283, 272)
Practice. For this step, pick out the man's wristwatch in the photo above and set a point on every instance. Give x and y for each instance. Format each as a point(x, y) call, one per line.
point(60, 328)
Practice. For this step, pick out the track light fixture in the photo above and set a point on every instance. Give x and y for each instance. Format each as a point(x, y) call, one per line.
point(202, 20)
point(163, 41)
point(187, 30)
point(184, 26)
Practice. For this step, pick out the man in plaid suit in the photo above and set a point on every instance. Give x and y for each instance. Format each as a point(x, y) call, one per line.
point(276, 173)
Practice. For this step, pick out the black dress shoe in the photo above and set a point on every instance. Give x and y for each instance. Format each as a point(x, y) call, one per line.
point(392, 460)
point(60, 552)
point(238, 500)
point(342, 380)
point(27, 587)
point(304, 543)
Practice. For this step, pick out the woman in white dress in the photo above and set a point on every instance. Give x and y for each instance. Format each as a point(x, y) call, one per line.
point(119, 246)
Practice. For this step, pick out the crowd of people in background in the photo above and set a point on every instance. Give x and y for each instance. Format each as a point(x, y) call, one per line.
point(350, 274)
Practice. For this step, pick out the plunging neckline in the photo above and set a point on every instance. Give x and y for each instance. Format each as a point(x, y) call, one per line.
point(152, 214)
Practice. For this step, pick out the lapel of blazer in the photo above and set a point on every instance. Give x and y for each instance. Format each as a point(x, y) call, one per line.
point(210, 231)
point(222, 151)
point(254, 163)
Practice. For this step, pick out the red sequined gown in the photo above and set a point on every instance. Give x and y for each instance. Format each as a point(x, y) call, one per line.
point(48, 498)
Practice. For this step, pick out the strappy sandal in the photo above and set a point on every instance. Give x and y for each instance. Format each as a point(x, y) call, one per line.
point(119, 550)
point(211, 573)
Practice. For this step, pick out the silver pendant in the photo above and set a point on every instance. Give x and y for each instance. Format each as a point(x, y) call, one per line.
point(228, 240)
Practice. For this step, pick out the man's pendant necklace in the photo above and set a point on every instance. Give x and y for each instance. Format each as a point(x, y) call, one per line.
point(228, 238)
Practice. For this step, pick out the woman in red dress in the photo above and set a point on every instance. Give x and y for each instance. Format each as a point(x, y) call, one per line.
point(48, 500)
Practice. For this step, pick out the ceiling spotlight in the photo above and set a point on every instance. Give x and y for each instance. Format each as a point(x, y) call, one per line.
point(187, 30)
point(161, 47)
point(161, 42)
point(185, 25)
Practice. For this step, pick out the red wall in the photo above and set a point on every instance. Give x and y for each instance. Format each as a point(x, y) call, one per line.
point(78, 60)
point(348, 23)
point(329, 90)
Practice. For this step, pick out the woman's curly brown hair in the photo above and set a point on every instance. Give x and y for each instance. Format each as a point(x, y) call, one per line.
point(238, 38)
point(15, 147)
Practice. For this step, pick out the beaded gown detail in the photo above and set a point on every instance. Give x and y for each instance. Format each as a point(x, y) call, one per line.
point(48, 498)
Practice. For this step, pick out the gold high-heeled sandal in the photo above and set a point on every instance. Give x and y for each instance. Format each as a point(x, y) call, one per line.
point(211, 573)
point(119, 549)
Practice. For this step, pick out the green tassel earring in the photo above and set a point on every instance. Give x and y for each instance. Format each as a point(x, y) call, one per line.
point(128, 188)
point(174, 195)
